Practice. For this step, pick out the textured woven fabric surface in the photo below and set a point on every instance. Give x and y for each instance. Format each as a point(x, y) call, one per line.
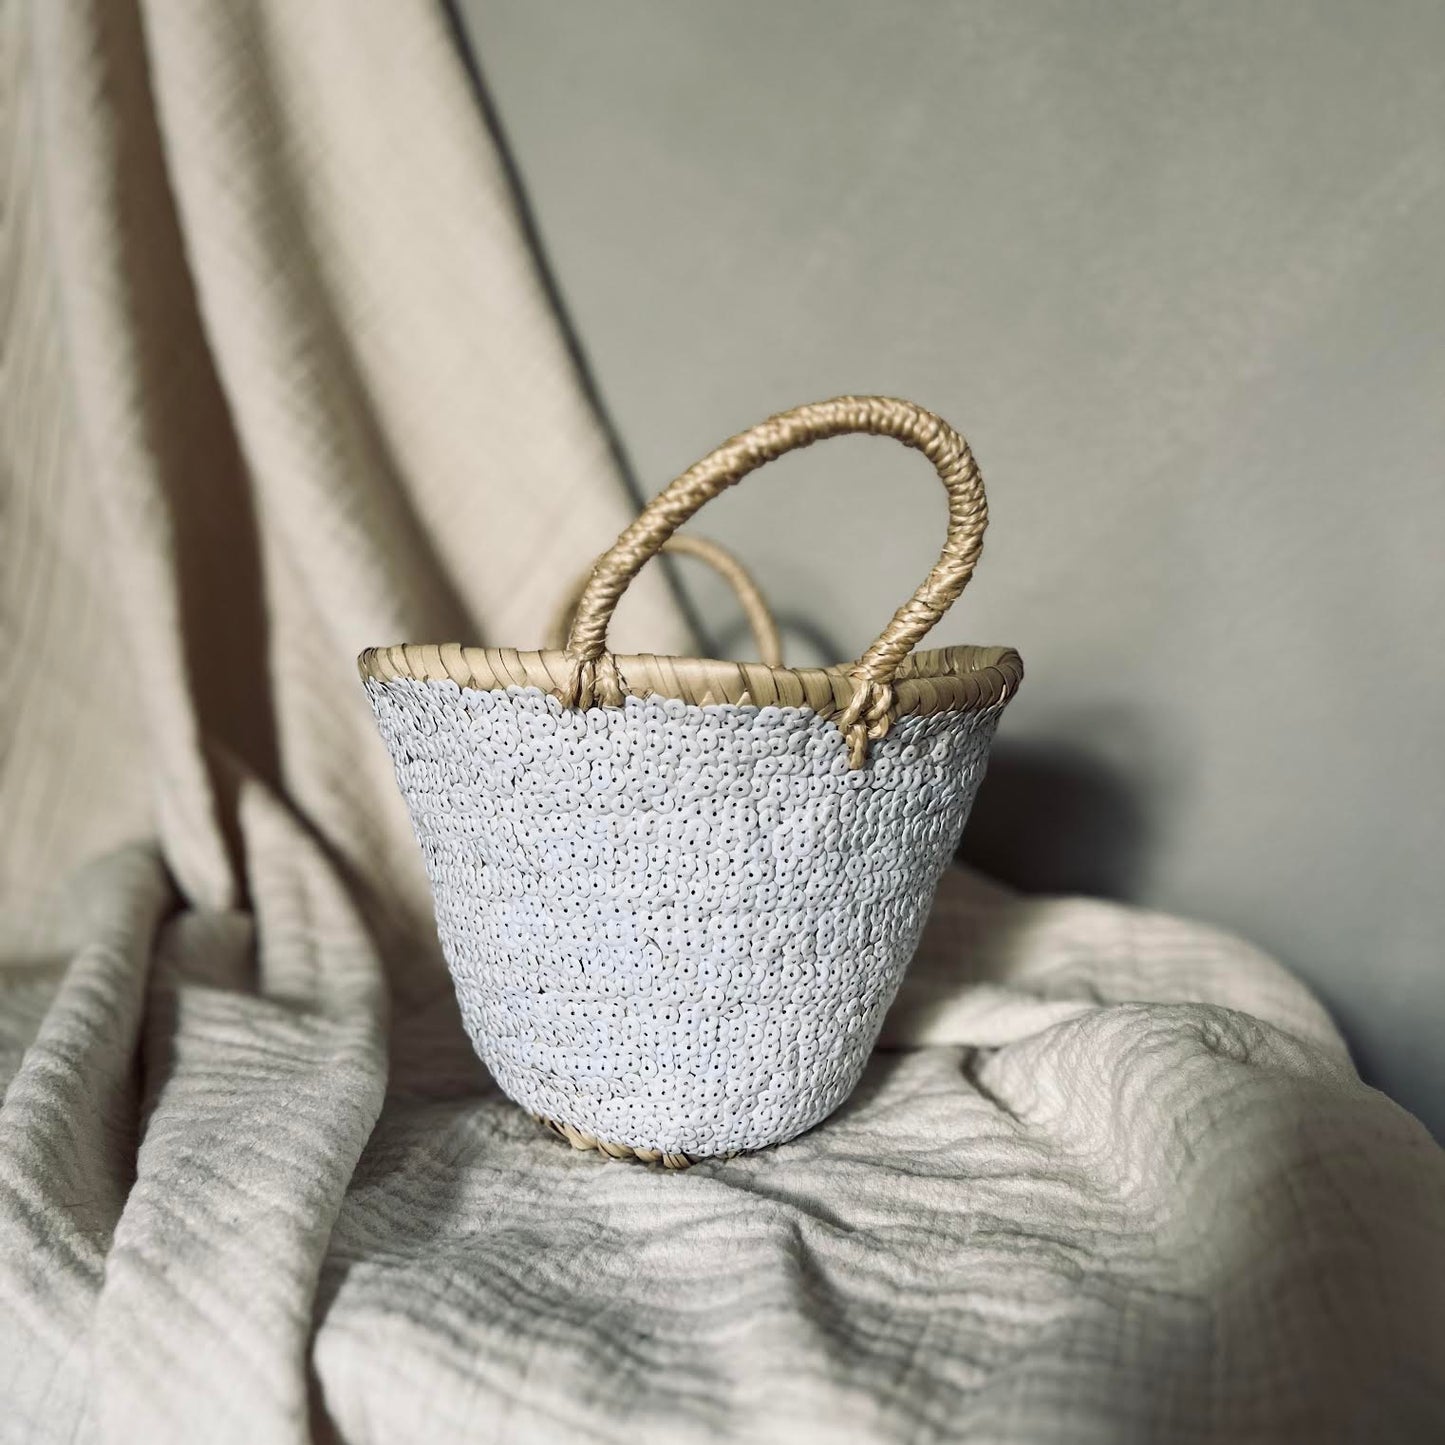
point(275, 379)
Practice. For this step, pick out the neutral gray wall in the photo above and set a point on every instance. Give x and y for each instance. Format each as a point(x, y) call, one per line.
point(1179, 273)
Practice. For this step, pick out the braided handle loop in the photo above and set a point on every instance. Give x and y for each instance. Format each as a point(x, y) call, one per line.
point(593, 678)
point(767, 641)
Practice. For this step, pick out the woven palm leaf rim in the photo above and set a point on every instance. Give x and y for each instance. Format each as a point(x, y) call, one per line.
point(944, 679)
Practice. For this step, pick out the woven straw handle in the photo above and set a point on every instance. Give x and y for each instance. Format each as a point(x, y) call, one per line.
point(766, 638)
point(593, 678)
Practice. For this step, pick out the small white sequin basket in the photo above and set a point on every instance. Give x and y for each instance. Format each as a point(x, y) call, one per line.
point(677, 895)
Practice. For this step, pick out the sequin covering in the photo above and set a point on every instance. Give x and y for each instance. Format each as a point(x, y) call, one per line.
point(674, 926)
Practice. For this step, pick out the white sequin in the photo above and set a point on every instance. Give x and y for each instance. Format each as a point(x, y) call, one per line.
point(672, 926)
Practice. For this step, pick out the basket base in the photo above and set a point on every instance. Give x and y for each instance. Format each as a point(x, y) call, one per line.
point(580, 1140)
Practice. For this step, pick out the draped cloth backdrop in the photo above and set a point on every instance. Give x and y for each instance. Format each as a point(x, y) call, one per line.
point(278, 381)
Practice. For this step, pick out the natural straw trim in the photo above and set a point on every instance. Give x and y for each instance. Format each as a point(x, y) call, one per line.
point(947, 679)
point(580, 1140)
point(870, 711)
point(767, 641)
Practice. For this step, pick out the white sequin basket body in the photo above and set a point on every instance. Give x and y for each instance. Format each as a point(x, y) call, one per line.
point(678, 895)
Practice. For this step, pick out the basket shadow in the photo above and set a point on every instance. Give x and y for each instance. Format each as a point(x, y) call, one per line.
point(1053, 818)
point(882, 1064)
point(431, 1055)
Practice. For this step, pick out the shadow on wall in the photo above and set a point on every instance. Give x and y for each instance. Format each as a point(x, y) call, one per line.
point(1049, 818)
point(1053, 819)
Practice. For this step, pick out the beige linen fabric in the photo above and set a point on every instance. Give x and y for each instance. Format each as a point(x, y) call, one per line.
point(277, 381)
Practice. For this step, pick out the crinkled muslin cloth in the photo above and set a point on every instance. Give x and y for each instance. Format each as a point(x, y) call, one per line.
point(278, 381)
